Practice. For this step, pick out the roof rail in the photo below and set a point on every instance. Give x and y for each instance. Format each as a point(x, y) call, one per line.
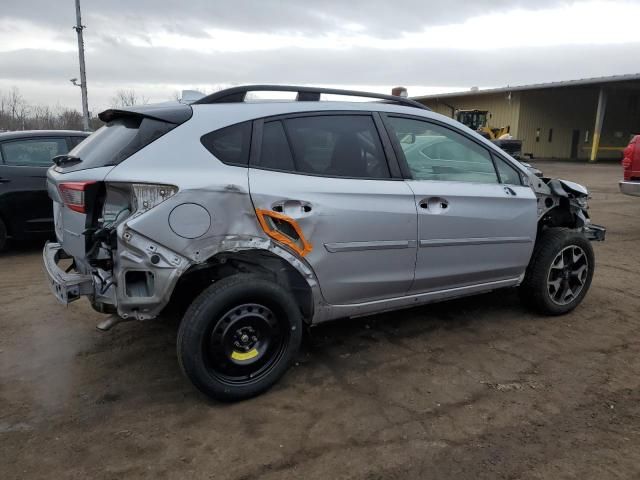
point(304, 94)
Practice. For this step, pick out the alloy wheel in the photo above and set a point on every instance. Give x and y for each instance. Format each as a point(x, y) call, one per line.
point(567, 275)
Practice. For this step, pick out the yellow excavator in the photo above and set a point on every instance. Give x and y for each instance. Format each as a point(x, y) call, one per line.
point(478, 120)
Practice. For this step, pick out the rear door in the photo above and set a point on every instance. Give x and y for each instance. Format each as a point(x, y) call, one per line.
point(325, 177)
point(476, 220)
point(24, 202)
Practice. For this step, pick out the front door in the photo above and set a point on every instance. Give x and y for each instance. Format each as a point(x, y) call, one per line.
point(476, 220)
point(24, 202)
point(329, 174)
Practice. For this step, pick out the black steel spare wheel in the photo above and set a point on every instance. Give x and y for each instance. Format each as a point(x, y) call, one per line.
point(245, 343)
point(239, 336)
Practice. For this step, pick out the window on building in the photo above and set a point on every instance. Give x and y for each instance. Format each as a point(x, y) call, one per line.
point(433, 152)
point(550, 138)
point(537, 134)
point(586, 136)
point(230, 144)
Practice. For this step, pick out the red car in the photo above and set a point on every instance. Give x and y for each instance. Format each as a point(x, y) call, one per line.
point(630, 185)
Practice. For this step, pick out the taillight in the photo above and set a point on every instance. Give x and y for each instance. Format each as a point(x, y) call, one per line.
point(630, 153)
point(72, 194)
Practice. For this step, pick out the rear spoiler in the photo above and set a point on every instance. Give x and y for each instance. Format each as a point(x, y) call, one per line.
point(172, 112)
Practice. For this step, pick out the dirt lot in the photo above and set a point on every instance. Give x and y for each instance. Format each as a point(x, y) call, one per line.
point(469, 389)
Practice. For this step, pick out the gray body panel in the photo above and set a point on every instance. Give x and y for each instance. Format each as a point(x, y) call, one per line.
point(374, 248)
point(352, 224)
point(482, 235)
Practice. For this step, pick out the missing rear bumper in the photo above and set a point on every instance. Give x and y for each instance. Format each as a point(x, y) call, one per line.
point(65, 286)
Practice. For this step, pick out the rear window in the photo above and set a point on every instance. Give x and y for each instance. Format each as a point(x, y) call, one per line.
point(116, 141)
point(76, 140)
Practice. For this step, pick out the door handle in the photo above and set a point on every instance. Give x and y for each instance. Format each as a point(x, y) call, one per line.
point(510, 191)
point(4, 180)
point(292, 208)
point(434, 204)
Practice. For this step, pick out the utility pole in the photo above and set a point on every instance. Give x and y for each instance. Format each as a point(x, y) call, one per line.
point(83, 75)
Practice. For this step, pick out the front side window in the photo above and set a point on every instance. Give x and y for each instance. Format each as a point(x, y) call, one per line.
point(508, 174)
point(327, 145)
point(35, 152)
point(433, 152)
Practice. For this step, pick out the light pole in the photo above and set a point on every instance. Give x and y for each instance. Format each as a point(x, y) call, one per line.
point(83, 75)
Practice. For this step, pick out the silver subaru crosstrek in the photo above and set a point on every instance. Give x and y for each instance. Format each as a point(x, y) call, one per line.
point(266, 217)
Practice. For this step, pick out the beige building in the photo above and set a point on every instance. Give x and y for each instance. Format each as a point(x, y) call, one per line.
point(585, 119)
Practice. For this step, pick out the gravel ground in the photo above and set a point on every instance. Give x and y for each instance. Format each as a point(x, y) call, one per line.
point(468, 389)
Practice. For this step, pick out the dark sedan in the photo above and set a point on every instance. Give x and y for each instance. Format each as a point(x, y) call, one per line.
point(25, 208)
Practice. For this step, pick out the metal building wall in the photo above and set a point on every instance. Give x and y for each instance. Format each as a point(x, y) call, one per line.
point(563, 110)
point(504, 107)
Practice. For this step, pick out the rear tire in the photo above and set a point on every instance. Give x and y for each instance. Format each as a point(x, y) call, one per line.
point(4, 236)
point(239, 336)
point(559, 272)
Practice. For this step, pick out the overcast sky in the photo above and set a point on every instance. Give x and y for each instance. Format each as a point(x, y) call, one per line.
point(158, 47)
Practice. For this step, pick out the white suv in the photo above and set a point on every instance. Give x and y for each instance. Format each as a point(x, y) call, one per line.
point(267, 217)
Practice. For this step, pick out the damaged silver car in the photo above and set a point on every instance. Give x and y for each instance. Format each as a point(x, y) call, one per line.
point(266, 217)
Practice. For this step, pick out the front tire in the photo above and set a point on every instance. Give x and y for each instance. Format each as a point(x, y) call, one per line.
point(559, 272)
point(239, 336)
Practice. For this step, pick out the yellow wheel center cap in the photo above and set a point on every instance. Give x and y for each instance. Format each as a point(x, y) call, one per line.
point(240, 356)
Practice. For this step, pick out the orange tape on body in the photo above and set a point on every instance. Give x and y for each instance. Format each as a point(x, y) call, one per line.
point(281, 237)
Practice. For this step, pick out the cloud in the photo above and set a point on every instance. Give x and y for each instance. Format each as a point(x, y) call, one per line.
point(159, 46)
point(153, 71)
point(377, 17)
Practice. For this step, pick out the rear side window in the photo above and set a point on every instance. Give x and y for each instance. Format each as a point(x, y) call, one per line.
point(328, 145)
point(230, 144)
point(34, 152)
point(275, 151)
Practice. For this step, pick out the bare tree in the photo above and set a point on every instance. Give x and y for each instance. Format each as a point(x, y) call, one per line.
point(17, 114)
point(14, 109)
point(128, 98)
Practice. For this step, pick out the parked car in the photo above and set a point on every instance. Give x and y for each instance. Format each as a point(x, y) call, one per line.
point(269, 217)
point(25, 156)
point(630, 184)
